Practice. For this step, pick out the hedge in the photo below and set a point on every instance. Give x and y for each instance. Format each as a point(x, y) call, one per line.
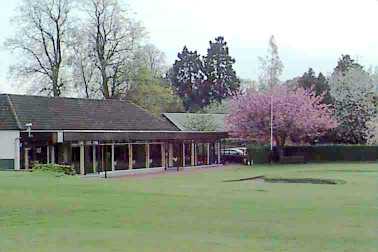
point(318, 153)
point(54, 168)
point(259, 154)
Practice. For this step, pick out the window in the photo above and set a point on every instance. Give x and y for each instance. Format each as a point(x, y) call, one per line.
point(155, 155)
point(201, 154)
point(139, 156)
point(121, 157)
point(88, 159)
point(213, 154)
point(188, 154)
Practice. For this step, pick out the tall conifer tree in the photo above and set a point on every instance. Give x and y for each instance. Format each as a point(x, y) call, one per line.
point(187, 78)
point(221, 77)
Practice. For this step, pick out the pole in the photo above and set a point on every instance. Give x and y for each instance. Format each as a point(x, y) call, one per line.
point(271, 122)
point(103, 160)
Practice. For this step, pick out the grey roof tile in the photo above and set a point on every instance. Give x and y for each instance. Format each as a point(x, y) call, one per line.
point(58, 113)
point(180, 120)
point(7, 117)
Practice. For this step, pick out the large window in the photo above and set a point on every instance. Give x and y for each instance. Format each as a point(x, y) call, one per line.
point(139, 156)
point(105, 158)
point(177, 155)
point(121, 157)
point(201, 154)
point(155, 156)
point(38, 155)
point(188, 154)
point(88, 161)
point(76, 159)
point(213, 154)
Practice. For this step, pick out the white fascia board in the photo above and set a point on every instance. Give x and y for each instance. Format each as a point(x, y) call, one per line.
point(119, 131)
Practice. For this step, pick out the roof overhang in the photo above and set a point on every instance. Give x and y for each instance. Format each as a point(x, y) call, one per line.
point(143, 135)
point(111, 135)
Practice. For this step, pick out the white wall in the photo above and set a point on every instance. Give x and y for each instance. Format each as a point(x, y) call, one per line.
point(9, 146)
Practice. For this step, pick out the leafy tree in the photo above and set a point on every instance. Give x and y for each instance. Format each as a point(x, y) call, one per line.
point(353, 93)
point(246, 84)
point(187, 78)
point(318, 83)
point(298, 115)
point(373, 71)
point(41, 42)
point(148, 62)
point(218, 67)
point(322, 86)
point(271, 67)
point(373, 124)
point(346, 63)
point(150, 94)
point(200, 122)
point(152, 58)
point(373, 130)
point(217, 108)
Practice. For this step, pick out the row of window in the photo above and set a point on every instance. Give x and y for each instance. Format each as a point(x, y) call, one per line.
point(175, 155)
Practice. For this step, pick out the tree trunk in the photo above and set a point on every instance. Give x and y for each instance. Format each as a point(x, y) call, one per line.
point(55, 82)
point(105, 84)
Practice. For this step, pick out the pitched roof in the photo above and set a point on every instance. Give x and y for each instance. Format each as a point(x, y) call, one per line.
point(58, 113)
point(180, 120)
point(7, 117)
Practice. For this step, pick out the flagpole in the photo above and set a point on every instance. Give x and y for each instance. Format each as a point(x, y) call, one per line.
point(271, 122)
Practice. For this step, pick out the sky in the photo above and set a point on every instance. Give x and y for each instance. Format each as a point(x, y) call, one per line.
point(309, 33)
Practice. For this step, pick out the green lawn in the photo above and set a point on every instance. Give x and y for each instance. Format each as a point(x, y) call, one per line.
point(193, 212)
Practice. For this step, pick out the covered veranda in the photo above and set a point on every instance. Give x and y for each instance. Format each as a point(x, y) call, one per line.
point(91, 152)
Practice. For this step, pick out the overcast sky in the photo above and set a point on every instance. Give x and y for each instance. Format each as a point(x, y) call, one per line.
point(309, 33)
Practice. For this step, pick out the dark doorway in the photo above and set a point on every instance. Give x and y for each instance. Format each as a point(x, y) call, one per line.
point(188, 154)
point(155, 156)
point(121, 157)
point(139, 156)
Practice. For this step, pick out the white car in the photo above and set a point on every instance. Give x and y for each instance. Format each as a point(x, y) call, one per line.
point(241, 151)
point(234, 155)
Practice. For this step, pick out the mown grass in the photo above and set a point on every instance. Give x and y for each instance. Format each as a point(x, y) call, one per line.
point(193, 212)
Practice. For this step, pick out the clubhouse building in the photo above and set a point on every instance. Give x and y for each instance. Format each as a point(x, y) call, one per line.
point(95, 136)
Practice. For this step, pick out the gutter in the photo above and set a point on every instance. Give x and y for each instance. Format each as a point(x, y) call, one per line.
point(122, 131)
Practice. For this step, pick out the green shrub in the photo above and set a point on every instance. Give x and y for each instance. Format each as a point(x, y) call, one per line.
point(318, 153)
point(323, 153)
point(259, 154)
point(54, 168)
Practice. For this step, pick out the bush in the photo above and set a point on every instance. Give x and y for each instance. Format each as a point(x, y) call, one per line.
point(259, 154)
point(323, 153)
point(54, 168)
point(292, 160)
point(317, 153)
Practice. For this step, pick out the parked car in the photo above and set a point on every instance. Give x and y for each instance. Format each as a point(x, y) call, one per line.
point(234, 155)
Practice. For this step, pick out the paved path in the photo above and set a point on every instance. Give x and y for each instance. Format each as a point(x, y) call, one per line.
point(186, 171)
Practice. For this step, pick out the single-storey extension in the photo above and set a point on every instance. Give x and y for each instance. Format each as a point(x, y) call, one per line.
point(97, 135)
point(181, 120)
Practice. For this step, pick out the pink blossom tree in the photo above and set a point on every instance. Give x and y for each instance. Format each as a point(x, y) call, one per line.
point(298, 115)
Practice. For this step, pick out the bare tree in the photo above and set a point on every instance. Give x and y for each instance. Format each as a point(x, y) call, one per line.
point(271, 67)
point(84, 73)
point(40, 42)
point(153, 59)
point(148, 62)
point(112, 38)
